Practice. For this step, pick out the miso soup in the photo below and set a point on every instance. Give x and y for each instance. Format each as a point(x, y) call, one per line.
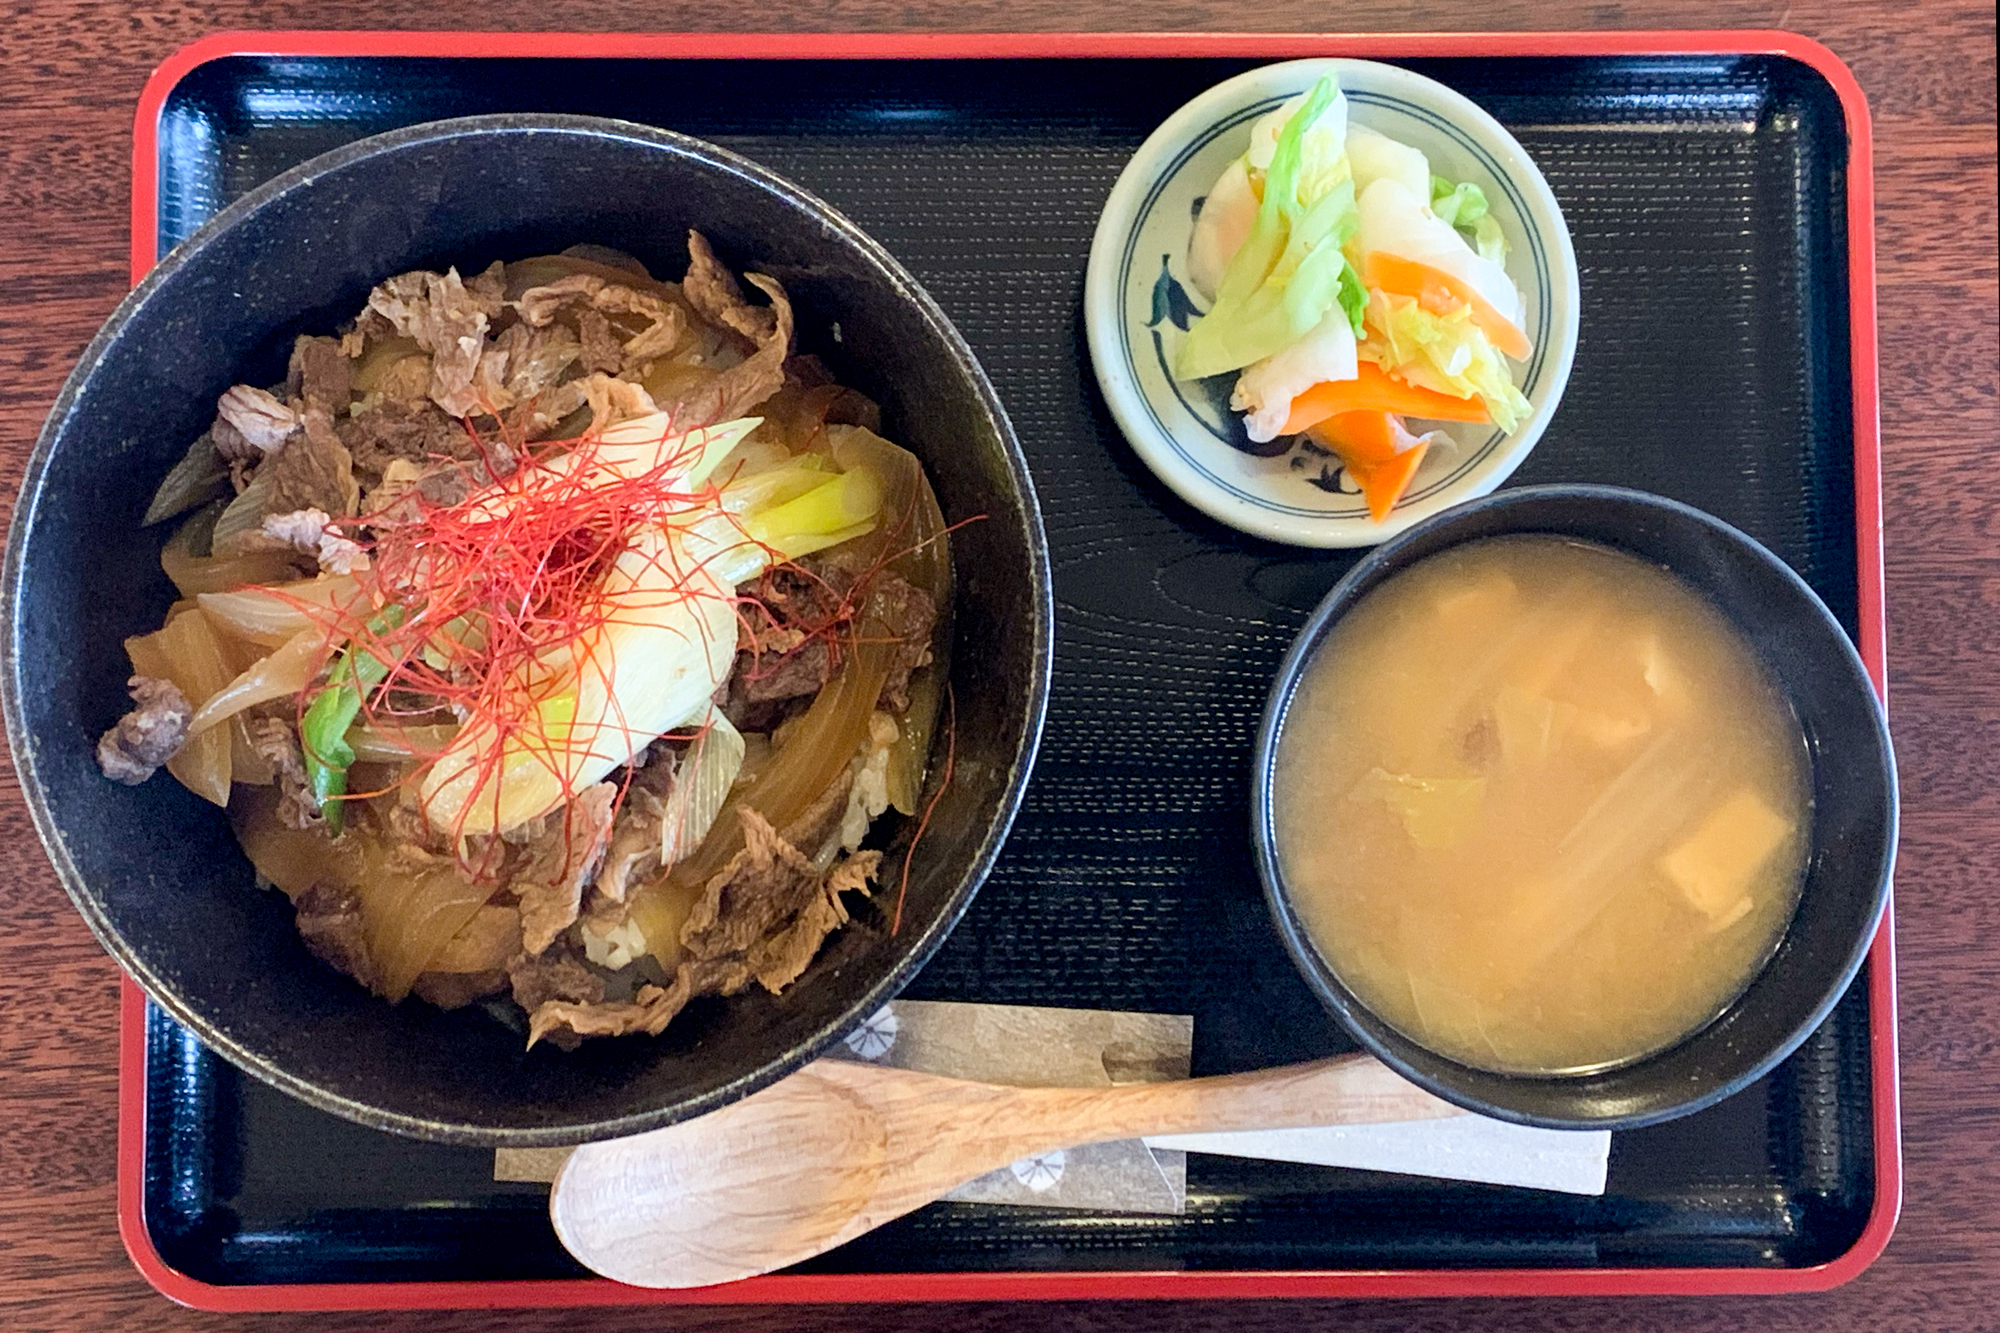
point(1540, 807)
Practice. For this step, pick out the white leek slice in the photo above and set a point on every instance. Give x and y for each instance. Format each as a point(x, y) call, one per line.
point(664, 638)
point(641, 447)
point(701, 787)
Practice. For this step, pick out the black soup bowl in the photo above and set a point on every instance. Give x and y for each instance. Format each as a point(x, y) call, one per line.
point(1853, 841)
point(156, 871)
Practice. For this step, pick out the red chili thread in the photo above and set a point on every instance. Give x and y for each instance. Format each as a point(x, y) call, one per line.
point(848, 604)
point(529, 578)
point(505, 593)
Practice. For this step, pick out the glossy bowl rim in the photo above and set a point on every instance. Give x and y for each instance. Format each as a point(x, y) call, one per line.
point(29, 498)
point(1360, 1022)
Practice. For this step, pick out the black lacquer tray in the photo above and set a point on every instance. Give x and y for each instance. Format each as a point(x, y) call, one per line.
point(1717, 188)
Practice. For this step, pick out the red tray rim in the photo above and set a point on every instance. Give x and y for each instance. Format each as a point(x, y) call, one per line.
point(1131, 1285)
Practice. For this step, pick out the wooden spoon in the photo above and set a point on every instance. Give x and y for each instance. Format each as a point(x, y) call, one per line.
point(839, 1148)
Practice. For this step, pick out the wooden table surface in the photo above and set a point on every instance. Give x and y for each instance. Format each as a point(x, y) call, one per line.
point(70, 72)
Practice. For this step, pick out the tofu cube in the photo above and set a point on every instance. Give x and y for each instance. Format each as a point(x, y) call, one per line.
point(1713, 867)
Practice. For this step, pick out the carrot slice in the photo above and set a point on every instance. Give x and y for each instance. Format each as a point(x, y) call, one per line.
point(1382, 484)
point(1379, 453)
point(1364, 438)
point(1375, 390)
point(1440, 290)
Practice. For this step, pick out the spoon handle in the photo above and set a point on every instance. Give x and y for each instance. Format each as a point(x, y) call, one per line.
point(1345, 1090)
point(982, 1126)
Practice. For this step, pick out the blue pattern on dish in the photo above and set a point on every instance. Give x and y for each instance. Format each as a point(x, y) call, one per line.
point(1171, 305)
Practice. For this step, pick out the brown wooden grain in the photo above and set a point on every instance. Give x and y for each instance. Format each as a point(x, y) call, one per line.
point(70, 72)
point(720, 1197)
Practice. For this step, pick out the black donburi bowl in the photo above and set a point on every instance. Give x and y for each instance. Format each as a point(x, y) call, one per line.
point(1854, 809)
point(156, 871)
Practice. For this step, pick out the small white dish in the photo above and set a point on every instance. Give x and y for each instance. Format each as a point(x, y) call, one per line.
point(1137, 305)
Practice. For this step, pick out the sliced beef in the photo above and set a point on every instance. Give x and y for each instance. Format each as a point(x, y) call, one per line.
point(634, 850)
point(587, 292)
point(311, 470)
point(790, 619)
point(446, 320)
point(648, 1012)
point(765, 885)
point(274, 739)
point(612, 401)
point(537, 358)
point(557, 864)
point(635, 846)
point(539, 306)
point(740, 388)
point(488, 291)
point(426, 451)
point(455, 990)
point(665, 323)
point(600, 348)
point(713, 291)
point(780, 959)
point(769, 908)
point(489, 392)
point(407, 380)
point(854, 873)
point(321, 373)
point(762, 918)
point(329, 920)
point(413, 844)
point(557, 976)
point(800, 672)
point(416, 432)
point(302, 528)
point(314, 470)
point(152, 733)
point(898, 609)
point(764, 717)
point(809, 593)
point(537, 418)
point(521, 363)
point(775, 663)
point(311, 532)
point(250, 423)
point(796, 613)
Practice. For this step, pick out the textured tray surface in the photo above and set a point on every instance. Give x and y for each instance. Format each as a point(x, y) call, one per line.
point(1705, 196)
